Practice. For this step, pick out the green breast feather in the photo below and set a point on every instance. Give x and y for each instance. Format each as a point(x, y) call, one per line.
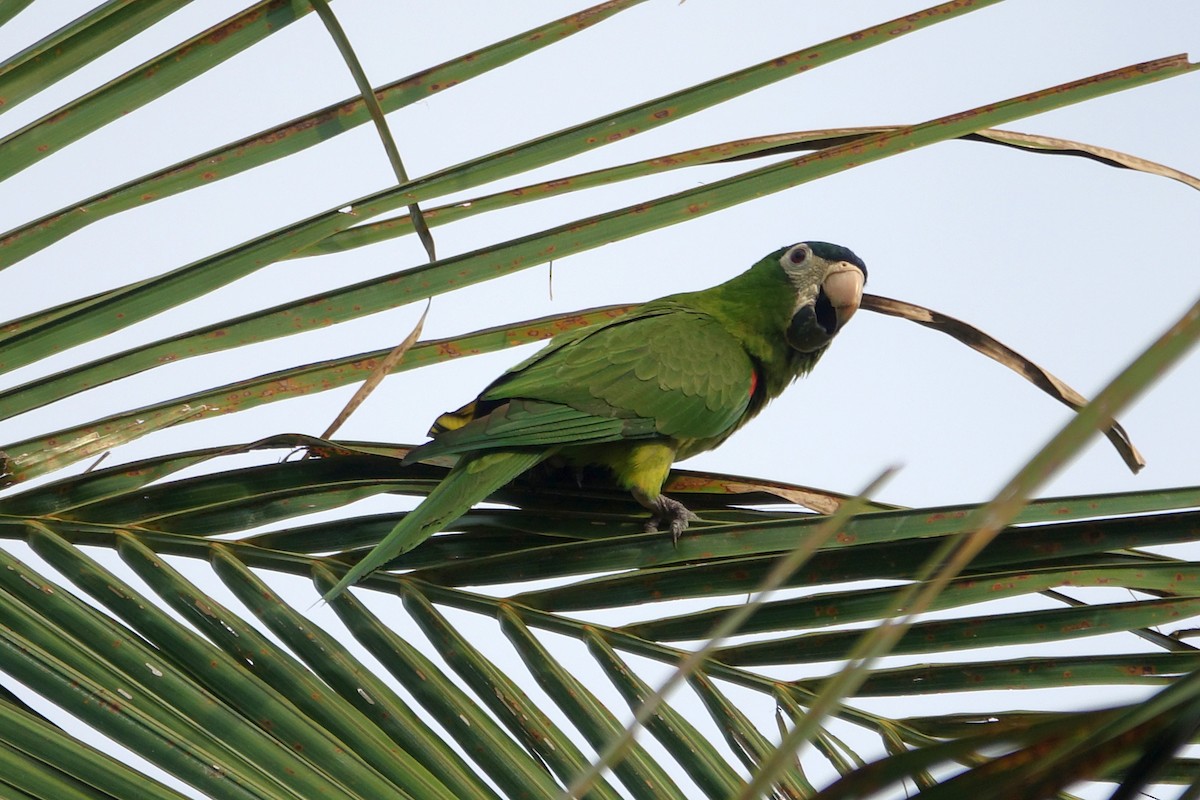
point(673, 378)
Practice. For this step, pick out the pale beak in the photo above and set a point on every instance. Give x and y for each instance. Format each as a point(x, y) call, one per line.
point(844, 287)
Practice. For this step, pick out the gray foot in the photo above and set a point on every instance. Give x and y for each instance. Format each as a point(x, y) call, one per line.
point(669, 515)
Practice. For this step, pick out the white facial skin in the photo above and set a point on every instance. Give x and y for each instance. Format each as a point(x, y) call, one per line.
point(841, 280)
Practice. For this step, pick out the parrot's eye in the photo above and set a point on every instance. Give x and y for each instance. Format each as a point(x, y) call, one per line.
point(798, 255)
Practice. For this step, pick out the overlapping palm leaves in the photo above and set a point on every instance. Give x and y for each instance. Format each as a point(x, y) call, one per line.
point(202, 692)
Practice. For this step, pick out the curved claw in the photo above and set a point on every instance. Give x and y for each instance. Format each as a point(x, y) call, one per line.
point(672, 512)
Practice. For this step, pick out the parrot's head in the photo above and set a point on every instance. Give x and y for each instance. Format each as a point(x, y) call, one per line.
point(828, 280)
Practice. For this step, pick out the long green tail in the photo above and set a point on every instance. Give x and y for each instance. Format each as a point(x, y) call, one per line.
point(472, 479)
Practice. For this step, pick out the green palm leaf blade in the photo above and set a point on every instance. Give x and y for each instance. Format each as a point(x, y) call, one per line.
point(1175, 770)
point(1167, 720)
point(353, 682)
point(447, 764)
point(1110, 743)
point(770, 536)
point(891, 771)
point(367, 93)
point(503, 696)
point(57, 453)
point(127, 705)
point(835, 608)
point(690, 749)
point(1026, 673)
point(74, 45)
point(31, 744)
point(145, 83)
point(832, 748)
point(897, 559)
point(501, 758)
point(895, 746)
point(63, 495)
point(290, 137)
point(744, 738)
point(641, 775)
point(375, 232)
point(39, 778)
point(715, 569)
point(10, 10)
point(1023, 726)
point(63, 310)
point(824, 742)
point(238, 499)
point(394, 227)
point(105, 536)
point(993, 630)
point(967, 724)
point(256, 674)
point(115, 496)
point(117, 310)
point(365, 531)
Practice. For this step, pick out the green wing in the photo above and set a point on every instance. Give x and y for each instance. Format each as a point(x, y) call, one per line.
point(666, 371)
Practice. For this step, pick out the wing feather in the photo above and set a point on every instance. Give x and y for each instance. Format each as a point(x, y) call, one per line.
point(670, 364)
point(664, 371)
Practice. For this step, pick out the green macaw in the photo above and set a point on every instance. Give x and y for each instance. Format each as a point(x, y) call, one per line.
point(670, 379)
